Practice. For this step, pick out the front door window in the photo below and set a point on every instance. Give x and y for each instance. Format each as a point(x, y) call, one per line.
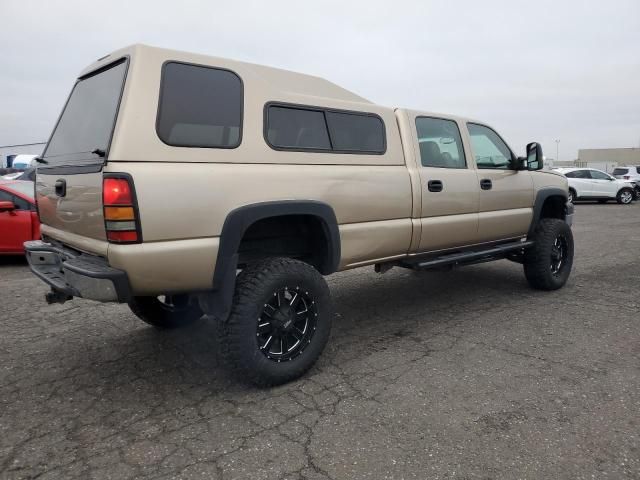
point(489, 149)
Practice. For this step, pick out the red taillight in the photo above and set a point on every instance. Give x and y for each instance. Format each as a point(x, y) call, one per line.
point(627, 177)
point(122, 236)
point(116, 191)
point(120, 210)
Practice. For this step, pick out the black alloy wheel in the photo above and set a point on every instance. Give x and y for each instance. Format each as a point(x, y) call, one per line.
point(559, 254)
point(279, 323)
point(287, 324)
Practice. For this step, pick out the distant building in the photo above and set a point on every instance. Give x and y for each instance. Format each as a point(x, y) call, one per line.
point(8, 152)
point(605, 159)
point(608, 158)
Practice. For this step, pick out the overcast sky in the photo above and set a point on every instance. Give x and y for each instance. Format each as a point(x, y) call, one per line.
point(535, 70)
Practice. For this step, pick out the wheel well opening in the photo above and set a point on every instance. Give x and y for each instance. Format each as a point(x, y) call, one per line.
point(554, 207)
point(296, 236)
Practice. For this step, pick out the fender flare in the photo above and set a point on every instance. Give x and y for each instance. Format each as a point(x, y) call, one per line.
point(234, 228)
point(541, 197)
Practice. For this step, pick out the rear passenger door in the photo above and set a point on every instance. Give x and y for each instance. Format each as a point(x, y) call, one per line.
point(602, 185)
point(506, 193)
point(449, 186)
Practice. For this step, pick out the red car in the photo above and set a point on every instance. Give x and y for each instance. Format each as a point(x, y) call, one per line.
point(18, 217)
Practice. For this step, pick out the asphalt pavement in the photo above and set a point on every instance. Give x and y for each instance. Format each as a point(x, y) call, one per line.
point(427, 375)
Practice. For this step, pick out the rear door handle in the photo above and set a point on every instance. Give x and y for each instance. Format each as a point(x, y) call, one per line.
point(434, 185)
point(485, 184)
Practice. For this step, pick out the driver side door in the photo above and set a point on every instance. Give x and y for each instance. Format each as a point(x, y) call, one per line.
point(506, 194)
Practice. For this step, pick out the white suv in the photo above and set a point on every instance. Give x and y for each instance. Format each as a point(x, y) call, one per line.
point(592, 184)
point(630, 173)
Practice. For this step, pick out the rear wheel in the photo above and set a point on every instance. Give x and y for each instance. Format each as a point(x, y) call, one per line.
point(625, 196)
point(547, 264)
point(166, 311)
point(279, 323)
point(572, 195)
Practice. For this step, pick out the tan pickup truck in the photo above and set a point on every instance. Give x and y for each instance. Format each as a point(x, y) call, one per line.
point(187, 185)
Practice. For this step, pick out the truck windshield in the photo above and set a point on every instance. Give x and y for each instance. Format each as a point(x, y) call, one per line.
point(84, 130)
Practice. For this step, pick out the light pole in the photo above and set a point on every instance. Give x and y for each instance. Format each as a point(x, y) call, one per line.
point(557, 148)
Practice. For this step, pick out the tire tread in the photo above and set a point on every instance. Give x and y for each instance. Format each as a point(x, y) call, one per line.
point(536, 261)
point(249, 288)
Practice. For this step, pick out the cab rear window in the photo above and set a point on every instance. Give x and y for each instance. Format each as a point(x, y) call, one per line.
point(199, 107)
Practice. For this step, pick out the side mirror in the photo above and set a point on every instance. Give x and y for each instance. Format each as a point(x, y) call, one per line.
point(534, 156)
point(7, 207)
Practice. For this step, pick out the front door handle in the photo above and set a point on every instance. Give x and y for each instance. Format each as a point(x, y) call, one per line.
point(434, 185)
point(485, 184)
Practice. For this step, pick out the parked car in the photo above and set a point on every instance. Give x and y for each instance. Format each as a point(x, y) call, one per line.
point(18, 218)
point(283, 178)
point(592, 184)
point(631, 174)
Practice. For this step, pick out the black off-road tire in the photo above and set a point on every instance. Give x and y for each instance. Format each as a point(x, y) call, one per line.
point(166, 315)
point(256, 286)
point(540, 259)
point(625, 196)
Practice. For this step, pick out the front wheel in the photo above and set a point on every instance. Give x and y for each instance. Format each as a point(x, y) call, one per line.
point(279, 323)
point(547, 264)
point(166, 311)
point(625, 196)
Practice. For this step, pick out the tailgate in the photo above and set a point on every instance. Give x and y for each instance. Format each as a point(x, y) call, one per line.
point(77, 209)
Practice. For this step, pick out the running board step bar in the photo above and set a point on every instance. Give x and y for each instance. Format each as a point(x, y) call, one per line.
point(462, 258)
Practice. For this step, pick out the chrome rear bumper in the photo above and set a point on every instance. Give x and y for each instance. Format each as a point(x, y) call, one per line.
point(73, 274)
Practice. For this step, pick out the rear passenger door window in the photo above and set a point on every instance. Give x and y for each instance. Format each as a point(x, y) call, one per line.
point(440, 143)
point(199, 107)
point(489, 150)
